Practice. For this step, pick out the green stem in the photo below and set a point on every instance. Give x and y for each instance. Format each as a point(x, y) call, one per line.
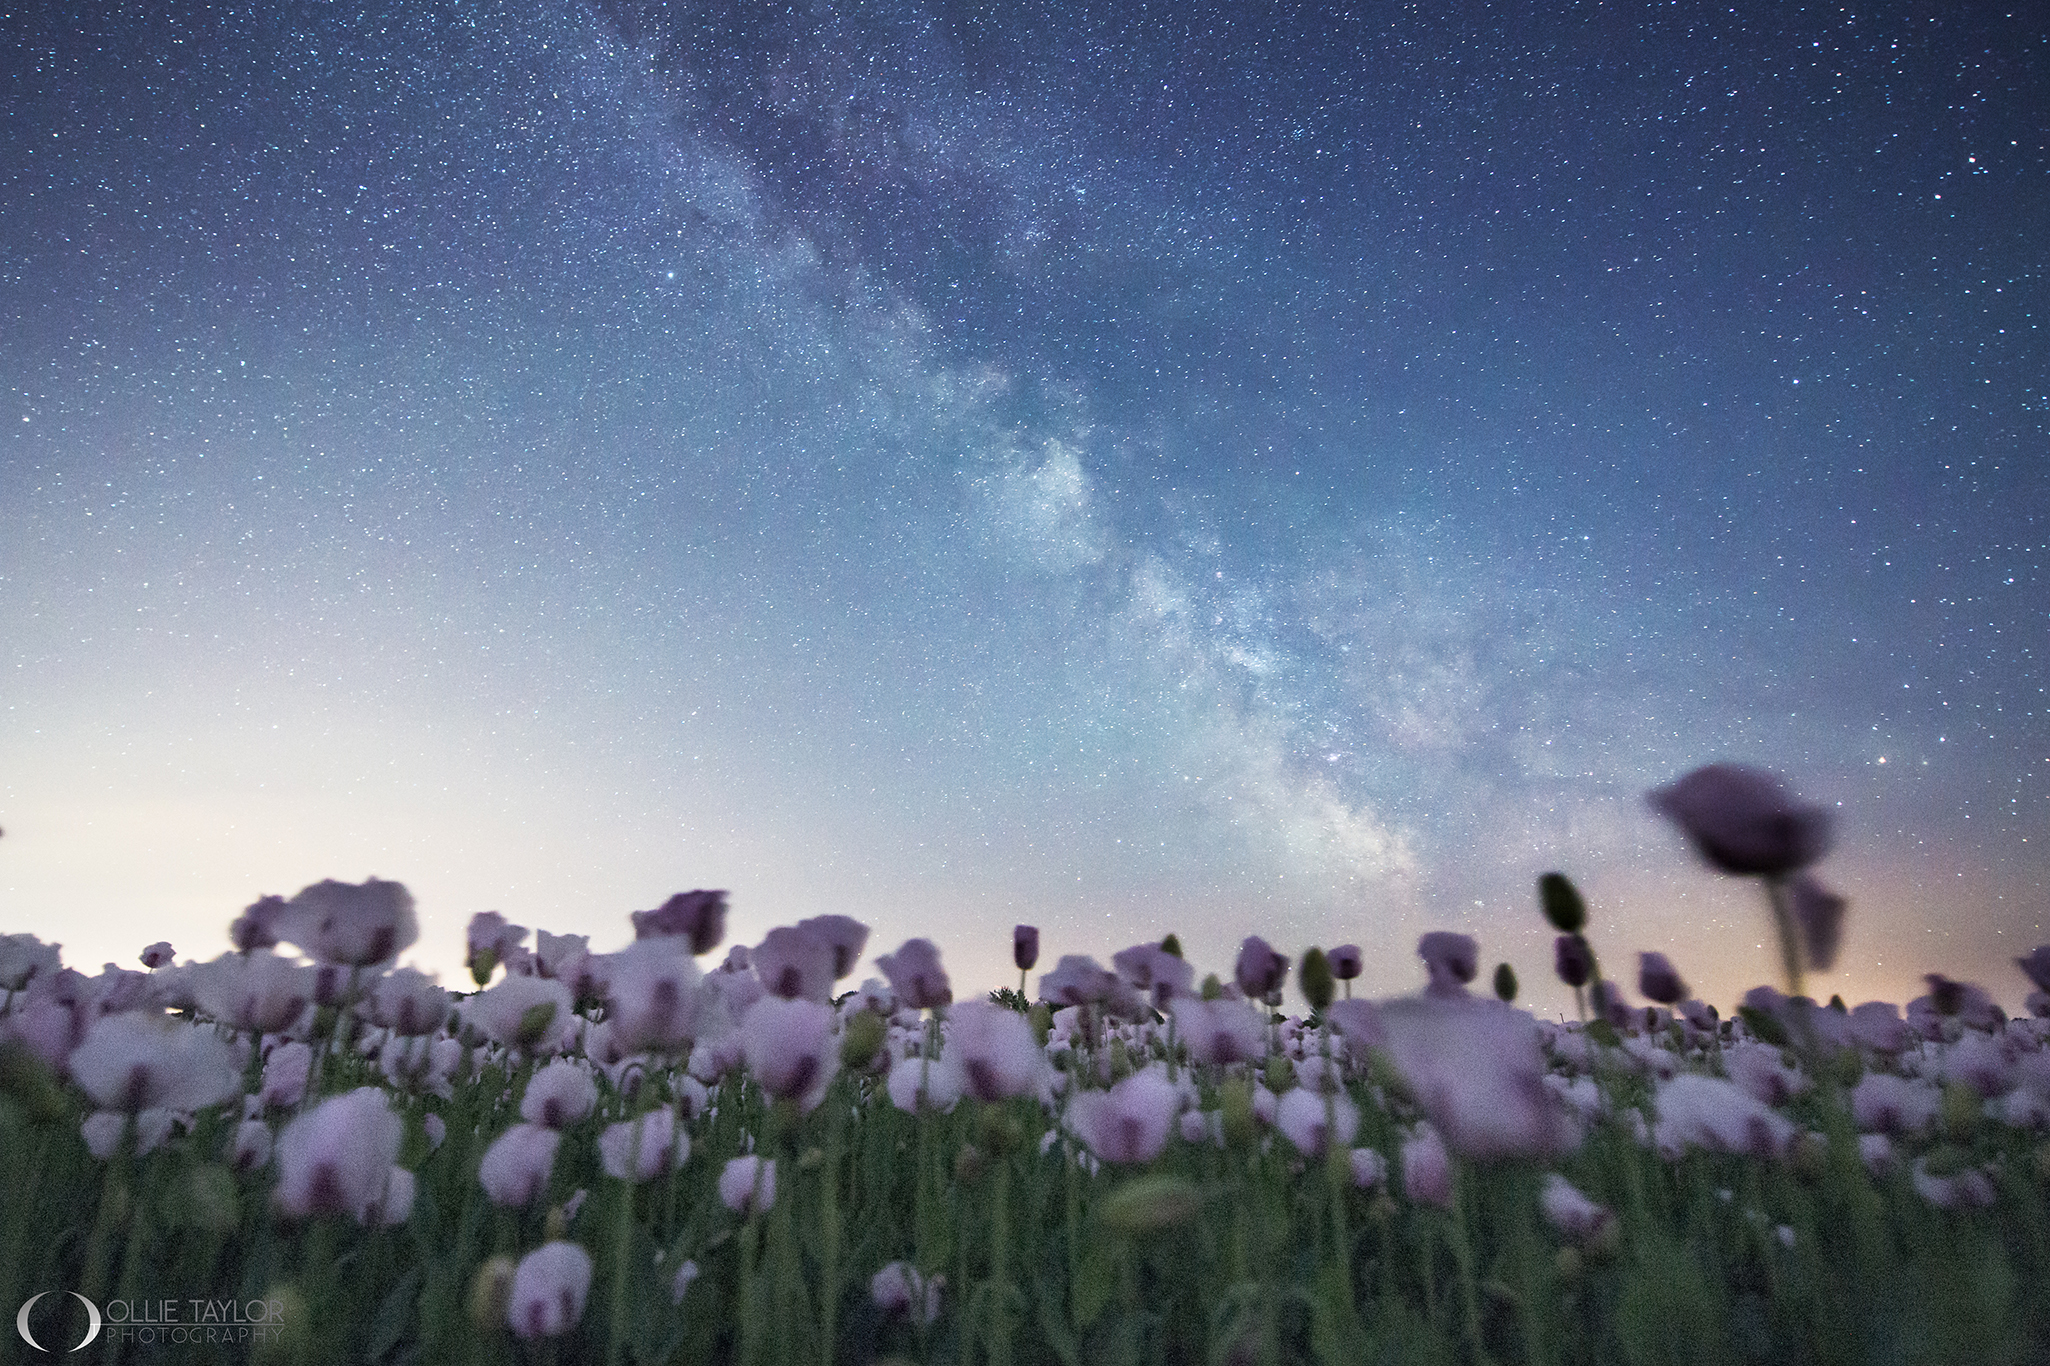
point(750, 1330)
point(999, 1263)
point(1790, 945)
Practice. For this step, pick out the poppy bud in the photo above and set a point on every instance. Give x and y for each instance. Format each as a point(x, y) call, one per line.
point(1316, 979)
point(1659, 980)
point(1572, 960)
point(1505, 982)
point(1562, 903)
point(1346, 962)
point(1260, 970)
point(1148, 1204)
point(1025, 946)
point(491, 1294)
point(861, 1040)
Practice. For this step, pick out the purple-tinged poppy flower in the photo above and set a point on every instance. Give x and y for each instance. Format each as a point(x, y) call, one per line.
point(1131, 1121)
point(421, 1063)
point(1260, 971)
point(114, 990)
point(1314, 1122)
point(790, 1049)
point(407, 1001)
point(351, 924)
point(1569, 1210)
point(259, 924)
point(1884, 1103)
point(337, 1157)
point(1572, 960)
point(1659, 980)
point(1347, 962)
point(1077, 980)
point(642, 1149)
point(557, 955)
point(1025, 946)
point(516, 1167)
point(1763, 1072)
point(1819, 914)
point(490, 940)
point(395, 1206)
point(285, 1074)
point(103, 1131)
point(23, 958)
point(532, 1014)
point(656, 1002)
point(256, 991)
point(1427, 1168)
point(1876, 1152)
point(1744, 820)
point(1450, 959)
point(699, 917)
point(1978, 1061)
point(1477, 1071)
point(899, 1289)
point(733, 989)
point(132, 1062)
point(994, 1051)
point(1367, 1167)
point(913, 1083)
point(1967, 1188)
point(1878, 1026)
point(549, 1288)
point(1220, 1031)
point(747, 1185)
point(1709, 1112)
point(845, 935)
point(157, 954)
point(489, 932)
point(249, 1147)
point(1970, 1004)
point(2037, 966)
point(1154, 972)
point(1607, 1003)
point(916, 975)
point(560, 1094)
point(795, 963)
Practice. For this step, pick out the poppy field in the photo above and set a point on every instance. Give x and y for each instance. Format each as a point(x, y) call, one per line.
point(653, 1156)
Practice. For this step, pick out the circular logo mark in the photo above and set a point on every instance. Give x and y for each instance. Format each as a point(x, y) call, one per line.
point(92, 1329)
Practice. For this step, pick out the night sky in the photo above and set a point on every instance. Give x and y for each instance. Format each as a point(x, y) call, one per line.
point(1124, 467)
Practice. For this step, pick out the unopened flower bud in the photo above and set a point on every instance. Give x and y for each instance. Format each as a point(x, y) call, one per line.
point(1505, 982)
point(861, 1040)
point(1151, 1203)
point(1280, 1072)
point(1562, 904)
point(1316, 979)
point(1025, 946)
point(491, 1293)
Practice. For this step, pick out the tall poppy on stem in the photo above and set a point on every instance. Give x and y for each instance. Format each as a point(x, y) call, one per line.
point(1745, 822)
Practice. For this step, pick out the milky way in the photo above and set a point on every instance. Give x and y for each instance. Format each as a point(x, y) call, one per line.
point(1126, 468)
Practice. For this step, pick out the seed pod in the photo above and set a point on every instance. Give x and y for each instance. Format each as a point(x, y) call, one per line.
point(1562, 903)
point(1316, 979)
point(1505, 982)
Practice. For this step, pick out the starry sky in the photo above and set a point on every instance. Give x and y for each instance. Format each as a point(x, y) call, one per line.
point(1302, 469)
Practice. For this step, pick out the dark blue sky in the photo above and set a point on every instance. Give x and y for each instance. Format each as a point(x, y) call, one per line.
point(1303, 469)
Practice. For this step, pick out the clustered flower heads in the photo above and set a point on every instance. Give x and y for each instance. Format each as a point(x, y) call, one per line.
point(643, 1076)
